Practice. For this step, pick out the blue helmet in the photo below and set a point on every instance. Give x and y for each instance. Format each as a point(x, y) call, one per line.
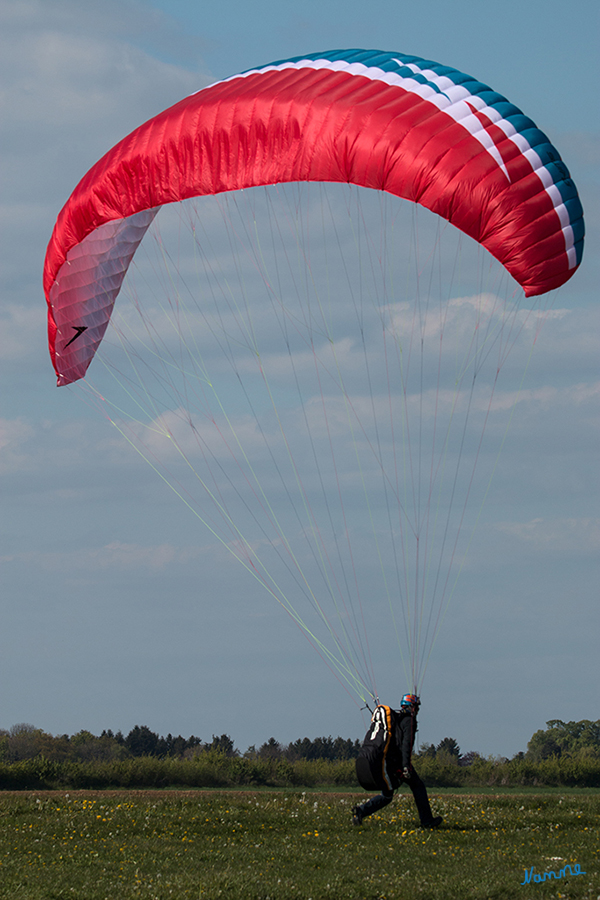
point(410, 701)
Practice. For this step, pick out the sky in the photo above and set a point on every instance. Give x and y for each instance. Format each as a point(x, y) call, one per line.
point(117, 609)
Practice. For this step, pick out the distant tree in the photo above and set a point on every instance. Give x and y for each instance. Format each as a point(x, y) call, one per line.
point(346, 748)
point(449, 746)
point(170, 746)
point(467, 759)
point(117, 738)
point(300, 749)
point(141, 741)
point(427, 751)
point(193, 742)
point(223, 744)
point(542, 746)
point(271, 749)
point(323, 748)
point(26, 742)
point(82, 737)
point(176, 746)
point(22, 728)
point(86, 746)
point(576, 736)
point(565, 738)
point(447, 752)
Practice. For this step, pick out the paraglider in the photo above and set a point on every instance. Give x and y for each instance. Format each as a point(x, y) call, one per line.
point(385, 761)
point(344, 446)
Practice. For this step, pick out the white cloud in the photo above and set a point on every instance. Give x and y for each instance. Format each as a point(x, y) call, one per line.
point(13, 434)
point(69, 95)
point(134, 21)
point(63, 448)
point(74, 80)
point(174, 433)
point(116, 555)
point(59, 80)
point(21, 331)
point(558, 537)
point(549, 396)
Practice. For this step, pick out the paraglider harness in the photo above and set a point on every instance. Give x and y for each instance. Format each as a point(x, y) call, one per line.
point(379, 765)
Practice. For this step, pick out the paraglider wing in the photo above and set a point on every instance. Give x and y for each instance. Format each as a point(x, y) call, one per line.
point(386, 121)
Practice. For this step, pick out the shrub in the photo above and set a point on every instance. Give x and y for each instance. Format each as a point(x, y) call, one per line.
point(212, 768)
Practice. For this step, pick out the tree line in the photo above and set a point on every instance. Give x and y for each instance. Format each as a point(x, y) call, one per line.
point(564, 754)
point(23, 741)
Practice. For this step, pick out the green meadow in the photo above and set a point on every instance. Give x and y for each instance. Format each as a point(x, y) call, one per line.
point(294, 844)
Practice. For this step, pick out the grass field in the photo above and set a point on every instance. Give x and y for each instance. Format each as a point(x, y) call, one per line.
point(119, 845)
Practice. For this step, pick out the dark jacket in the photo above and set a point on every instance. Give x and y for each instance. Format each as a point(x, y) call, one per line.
point(386, 749)
point(406, 731)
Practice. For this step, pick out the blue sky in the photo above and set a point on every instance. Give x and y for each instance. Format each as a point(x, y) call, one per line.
point(115, 609)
